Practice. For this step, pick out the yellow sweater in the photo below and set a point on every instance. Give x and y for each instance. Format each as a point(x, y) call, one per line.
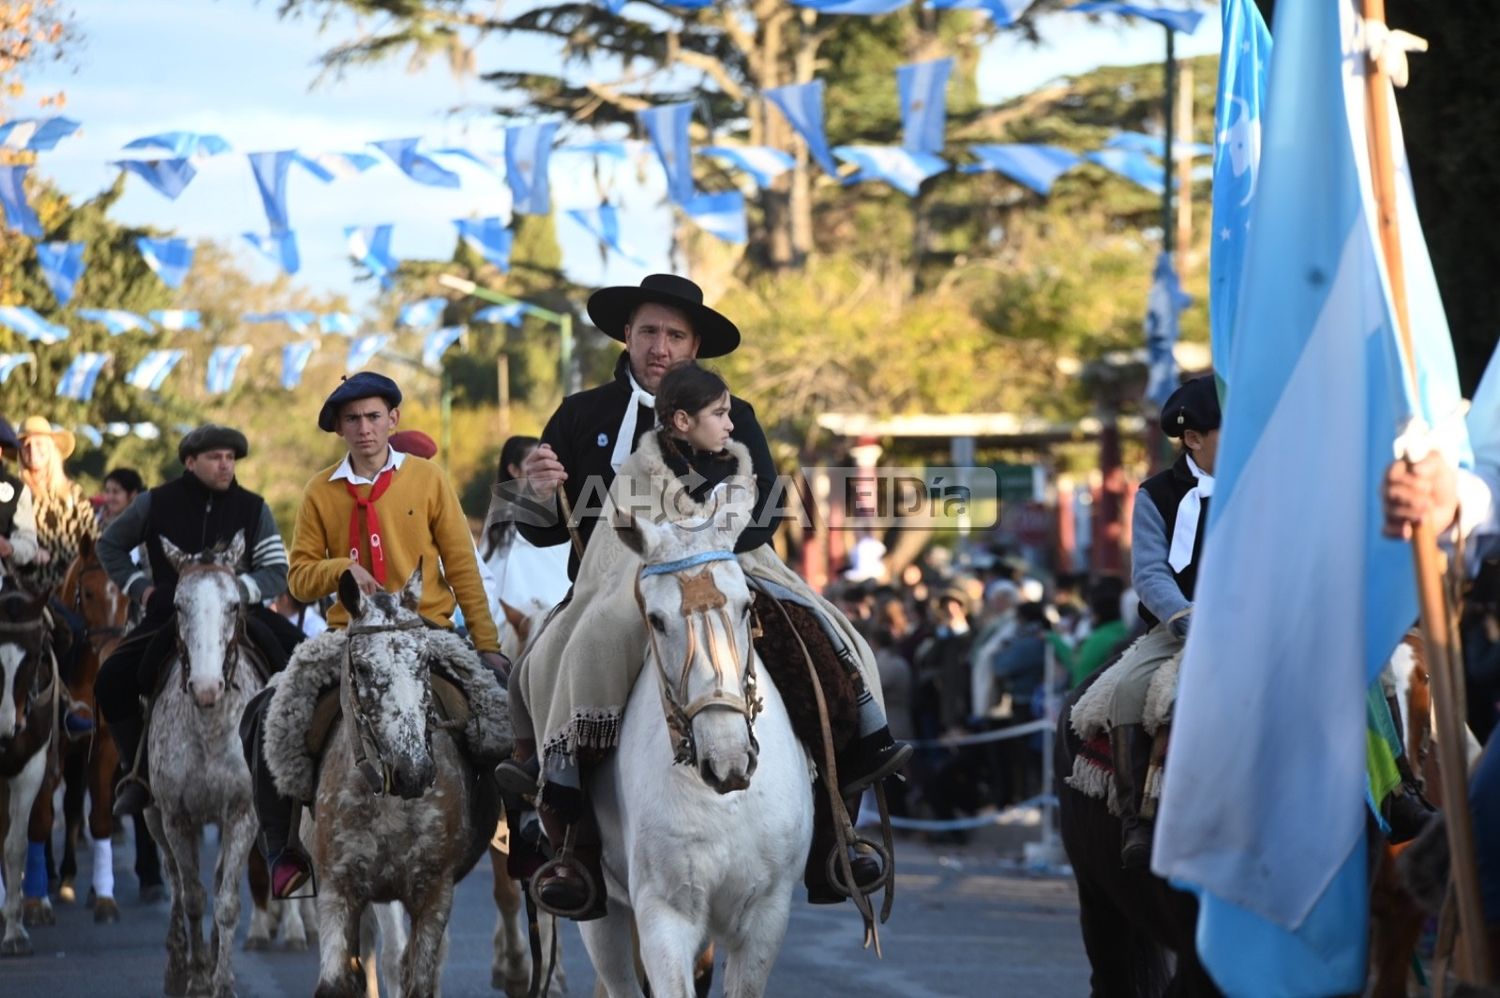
point(420, 521)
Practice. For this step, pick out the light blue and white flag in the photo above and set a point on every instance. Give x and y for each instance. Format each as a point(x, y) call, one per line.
point(1264, 799)
point(1033, 166)
point(604, 149)
point(371, 246)
point(923, 87)
point(25, 320)
point(62, 266)
point(363, 349)
point(667, 126)
point(1243, 62)
point(422, 313)
point(528, 149)
point(1484, 415)
point(91, 434)
point(10, 361)
point(1163, 306)
point(294, 358)
point(338, 323)
point(422, 169)
point(153, 369)
point(721, 214)
point(36, 134)
point(1003, 12)
point(489, 238)
point(78, 380)
point(170, 177)
point(868, 8)
point(146, 431)
point(117, 321)
point(436, 343)
point(183, 144)
point(1136, 167)
point(1180, 19)
point(763, 163)
point(222, 365)
point(493, 165)
point(901, 168)
point(280, 248)
point(176, 320)
point(270, 169)
point(299, 320)
point(331, 166)
point(802, 106)
point(171, 259)
point(1156, 145)
point(501, 315)
point(603, 223)
point(18, 213)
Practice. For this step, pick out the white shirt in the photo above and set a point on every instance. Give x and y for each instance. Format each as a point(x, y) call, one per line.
point(345, 470)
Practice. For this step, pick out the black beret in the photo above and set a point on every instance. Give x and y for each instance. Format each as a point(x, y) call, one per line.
point(1193, 406)
point(364, 385)
point(212, 436)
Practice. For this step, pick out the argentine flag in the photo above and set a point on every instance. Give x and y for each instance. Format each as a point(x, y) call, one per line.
point(1300, 600)
point(222, 365)
point(83, 372)
point(294, 358)
point(153, 369)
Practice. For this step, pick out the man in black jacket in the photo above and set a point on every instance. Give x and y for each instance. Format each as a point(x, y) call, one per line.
point(203, 508)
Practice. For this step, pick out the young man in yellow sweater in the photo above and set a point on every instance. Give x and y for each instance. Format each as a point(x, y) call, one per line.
point(376, 515)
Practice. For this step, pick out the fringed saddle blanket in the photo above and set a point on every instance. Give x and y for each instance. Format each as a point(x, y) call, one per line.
point(1093, 768)
point(316, 667)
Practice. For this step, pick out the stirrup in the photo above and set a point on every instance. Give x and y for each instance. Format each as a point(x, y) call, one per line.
point(83, 713)
point(565, 861)
point(835, 870)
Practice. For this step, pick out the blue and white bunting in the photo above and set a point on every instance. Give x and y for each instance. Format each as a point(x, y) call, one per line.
point(1033, 166)
point(501, 315)
point(1243, 62)
point(91, 434)
point(10, 362)
point(36, 134)
point(62, 266)
point(331, 166)
point(1136, 167)
point(667, 126)
point(1163, 306)
point(923, 87)
point(222, 365)
point(170, 259)
point(82, 375)
point(422, 313)
point(170, 177)
point(1003, 12)
point(270, 169)
point(1179, 19)
point(436, 343)
point(153, 369)
point(298, 320)
point(338, 324)
point(763, 164)
point(294, 358)
point(802, 106)
point(528, 149)
point(18, 213)
point(25, 320)
point(146, 431)
point(183, 144)
point(605, 149)
point(371, 246)
point(280, 248)
point(901, 168)
point(363, 349)
point(868, 8)
point(1156, 145)
point(493, 165)
point(489, 238)
point(721, 215)
point(176, 320)
point(422, 169)
point(117, 321)
point(603, 223)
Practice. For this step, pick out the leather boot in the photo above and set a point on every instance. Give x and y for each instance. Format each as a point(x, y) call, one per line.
point(518, 775)
point(578, 878)
point(825, 839)
point(1130, 750)
point(132, 795)
point(290, 866)
point(870, 759)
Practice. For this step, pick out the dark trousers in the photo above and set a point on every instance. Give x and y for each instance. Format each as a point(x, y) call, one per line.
point(273, 810)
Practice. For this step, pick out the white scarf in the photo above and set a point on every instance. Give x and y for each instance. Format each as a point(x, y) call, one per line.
point(625, 437)
point(1189, 511)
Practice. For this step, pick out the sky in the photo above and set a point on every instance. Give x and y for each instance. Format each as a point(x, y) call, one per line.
point(234, 68)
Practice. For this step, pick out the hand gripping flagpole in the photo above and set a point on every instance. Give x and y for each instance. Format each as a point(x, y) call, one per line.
point(1437, 622)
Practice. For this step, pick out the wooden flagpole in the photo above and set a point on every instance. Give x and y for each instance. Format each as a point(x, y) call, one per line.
point(1437, 630)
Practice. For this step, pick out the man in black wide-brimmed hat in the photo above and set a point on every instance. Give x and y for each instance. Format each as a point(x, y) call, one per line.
point(663, 323)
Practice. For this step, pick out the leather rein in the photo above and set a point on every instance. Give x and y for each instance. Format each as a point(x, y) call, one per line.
point(107, 632)
point(34, 693)
point(232, 654)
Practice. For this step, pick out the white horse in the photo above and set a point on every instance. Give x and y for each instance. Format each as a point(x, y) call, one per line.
point(28, 709)
point(699, 851)
point(198, 773)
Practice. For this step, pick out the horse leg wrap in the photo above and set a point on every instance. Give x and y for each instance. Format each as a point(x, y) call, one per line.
point(104, 868)
point(34, 880)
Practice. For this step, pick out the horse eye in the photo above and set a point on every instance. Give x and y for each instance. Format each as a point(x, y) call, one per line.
point(658, 623)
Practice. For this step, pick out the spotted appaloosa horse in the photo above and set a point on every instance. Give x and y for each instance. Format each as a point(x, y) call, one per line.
point(198, 773)
point(28, 714)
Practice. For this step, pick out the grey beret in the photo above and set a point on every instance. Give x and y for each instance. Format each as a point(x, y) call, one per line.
point(212, 436)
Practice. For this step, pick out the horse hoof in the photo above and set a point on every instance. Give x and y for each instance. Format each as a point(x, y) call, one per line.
point(152, 893)
point(514, 987)
point(296, 945)
point(66, 894)
point(106, 911)
point(255, 944)
point(19, 946)
point(37, 911)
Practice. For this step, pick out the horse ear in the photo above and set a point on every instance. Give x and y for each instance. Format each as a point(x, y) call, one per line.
point(515, 617)
point(637, 534)
point(176, 557)
point(234, 551)
point(411, 593)
point(350, 597)
point(85, 547)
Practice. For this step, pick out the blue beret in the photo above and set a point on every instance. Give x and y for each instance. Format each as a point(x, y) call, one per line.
point(364, 385)
point(1193, 406)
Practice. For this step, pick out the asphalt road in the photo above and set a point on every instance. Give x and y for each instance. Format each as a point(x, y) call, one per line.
point(967, 922)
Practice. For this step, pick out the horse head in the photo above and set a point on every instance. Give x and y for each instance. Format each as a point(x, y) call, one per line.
point(21, 637)
point(208, 616)
point(387, 689)
point(696, 604)
point(89, 591)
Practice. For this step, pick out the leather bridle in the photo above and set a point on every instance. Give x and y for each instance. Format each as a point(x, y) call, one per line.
point(368, 758)
point(232, 652)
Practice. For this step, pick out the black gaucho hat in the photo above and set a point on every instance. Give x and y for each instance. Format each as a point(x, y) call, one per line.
point(1193, 406)
point(212, 436)
point(364, 385)
point(610, 309)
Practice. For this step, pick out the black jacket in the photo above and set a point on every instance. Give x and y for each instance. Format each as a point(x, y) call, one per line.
point(1166, 489)
point(582, 433)
point(8, 506)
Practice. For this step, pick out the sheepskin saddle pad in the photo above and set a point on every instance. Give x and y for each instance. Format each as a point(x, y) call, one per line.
point(1093, 767)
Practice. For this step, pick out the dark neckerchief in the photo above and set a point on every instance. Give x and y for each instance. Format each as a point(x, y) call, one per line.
point(705, 469)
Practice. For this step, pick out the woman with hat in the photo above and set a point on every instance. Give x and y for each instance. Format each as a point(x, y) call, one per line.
point(18, 545)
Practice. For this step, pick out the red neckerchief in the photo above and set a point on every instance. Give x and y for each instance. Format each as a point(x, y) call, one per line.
point(372, 523)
